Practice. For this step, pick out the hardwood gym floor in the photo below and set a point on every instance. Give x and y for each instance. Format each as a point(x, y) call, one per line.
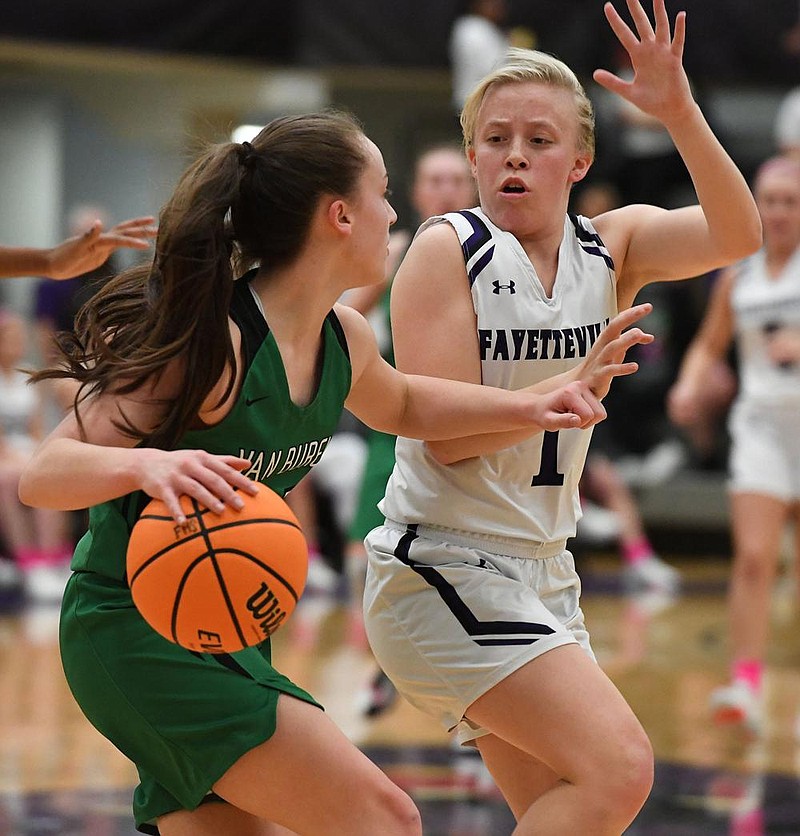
point(58, 776)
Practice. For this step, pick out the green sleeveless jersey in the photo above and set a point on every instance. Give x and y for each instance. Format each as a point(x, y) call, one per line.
point(283, 441)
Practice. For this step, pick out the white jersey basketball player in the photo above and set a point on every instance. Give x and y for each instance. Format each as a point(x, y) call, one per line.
point(472, 600)
point(757, 303)
point(524, 338)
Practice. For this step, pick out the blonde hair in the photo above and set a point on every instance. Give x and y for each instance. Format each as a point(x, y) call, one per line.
point(531, 65)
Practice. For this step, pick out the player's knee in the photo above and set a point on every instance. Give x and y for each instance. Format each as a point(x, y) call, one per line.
point(401, 812)
point(753, 567)
point(627, 783)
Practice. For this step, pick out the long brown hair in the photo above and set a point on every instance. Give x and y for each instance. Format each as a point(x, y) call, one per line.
point(237, 206)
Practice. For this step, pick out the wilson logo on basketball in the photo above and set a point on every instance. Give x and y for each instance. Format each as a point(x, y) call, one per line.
point(266, 609)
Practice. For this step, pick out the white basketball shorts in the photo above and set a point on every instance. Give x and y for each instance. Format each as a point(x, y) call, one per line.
point(765, 451)
point(448, 621)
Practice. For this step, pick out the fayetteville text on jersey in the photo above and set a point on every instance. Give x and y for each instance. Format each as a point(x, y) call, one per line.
point(538, 343)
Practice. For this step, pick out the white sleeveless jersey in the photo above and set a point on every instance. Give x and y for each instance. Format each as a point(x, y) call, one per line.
point(529, 491)
point(761, 306)
point(18, 405)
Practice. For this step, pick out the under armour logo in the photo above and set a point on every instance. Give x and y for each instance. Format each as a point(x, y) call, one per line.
point(498, 287)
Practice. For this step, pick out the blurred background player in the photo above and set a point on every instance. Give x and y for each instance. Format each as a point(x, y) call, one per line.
point(478, 43)
point(757, 301)
point(56, 303)
point(38, 543)
point(38, 539)
point(602, 489)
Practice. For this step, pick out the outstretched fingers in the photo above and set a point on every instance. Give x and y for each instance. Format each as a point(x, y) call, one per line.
point(135, 233)
point(112, 242)
point(679, 38)
point(641, 20)
point(627, 339)
point(145, 221)
point(659, 85)
point(662, 21)
point(606, 360)
point(621, 29)
point(624, 320)
point(622, 369)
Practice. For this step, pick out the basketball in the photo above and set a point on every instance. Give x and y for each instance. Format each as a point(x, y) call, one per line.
point(217, 583)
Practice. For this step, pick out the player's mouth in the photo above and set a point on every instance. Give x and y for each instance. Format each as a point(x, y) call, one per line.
point(513, 187)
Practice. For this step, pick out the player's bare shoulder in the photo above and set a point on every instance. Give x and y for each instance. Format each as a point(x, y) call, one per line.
point(434, 262)
point(361, 343)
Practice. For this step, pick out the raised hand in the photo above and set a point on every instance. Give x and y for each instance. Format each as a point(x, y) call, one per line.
point(660, 86)
point(606, 360)
point(88, 251)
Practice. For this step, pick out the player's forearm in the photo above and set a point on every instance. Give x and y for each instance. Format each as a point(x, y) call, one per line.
point(455, 450)
point(66, 474)
point(470, 445)
point(437, 409)
point(725, 198)
point(696, 365)
point(23, 261)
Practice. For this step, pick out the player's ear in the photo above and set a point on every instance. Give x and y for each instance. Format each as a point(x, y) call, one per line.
point(471, 159)
point(583, 162)
point(338, 216)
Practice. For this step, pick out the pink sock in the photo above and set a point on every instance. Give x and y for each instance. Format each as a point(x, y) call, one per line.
point(27, 557)
point(58, 556)
point(750, 823)
point(749, 671)
point(635, 551)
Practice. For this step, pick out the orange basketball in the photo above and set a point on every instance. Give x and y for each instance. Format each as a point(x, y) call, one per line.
point(218, 582)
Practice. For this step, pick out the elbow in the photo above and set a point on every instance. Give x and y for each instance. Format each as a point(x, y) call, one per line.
point(755, 236)
point(439, 453)
point(26, 489)
point(748, 241)
point(443, 453)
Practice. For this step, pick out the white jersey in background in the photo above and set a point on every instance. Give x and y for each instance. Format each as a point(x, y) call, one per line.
point(528, 492)
point(761, 306)
point(18, 405)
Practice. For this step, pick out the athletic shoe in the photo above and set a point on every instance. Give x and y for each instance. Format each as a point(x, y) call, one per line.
point(737, 704)
point(379, 696)
point(651, 573)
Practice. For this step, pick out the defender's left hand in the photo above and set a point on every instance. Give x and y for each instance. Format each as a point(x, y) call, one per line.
point(660, 85)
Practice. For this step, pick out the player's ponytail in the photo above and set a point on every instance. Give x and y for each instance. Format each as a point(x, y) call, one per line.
point(176, 307)
point(248, 204)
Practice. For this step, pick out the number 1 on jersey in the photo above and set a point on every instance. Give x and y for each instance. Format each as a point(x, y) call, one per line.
point(548, 468)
